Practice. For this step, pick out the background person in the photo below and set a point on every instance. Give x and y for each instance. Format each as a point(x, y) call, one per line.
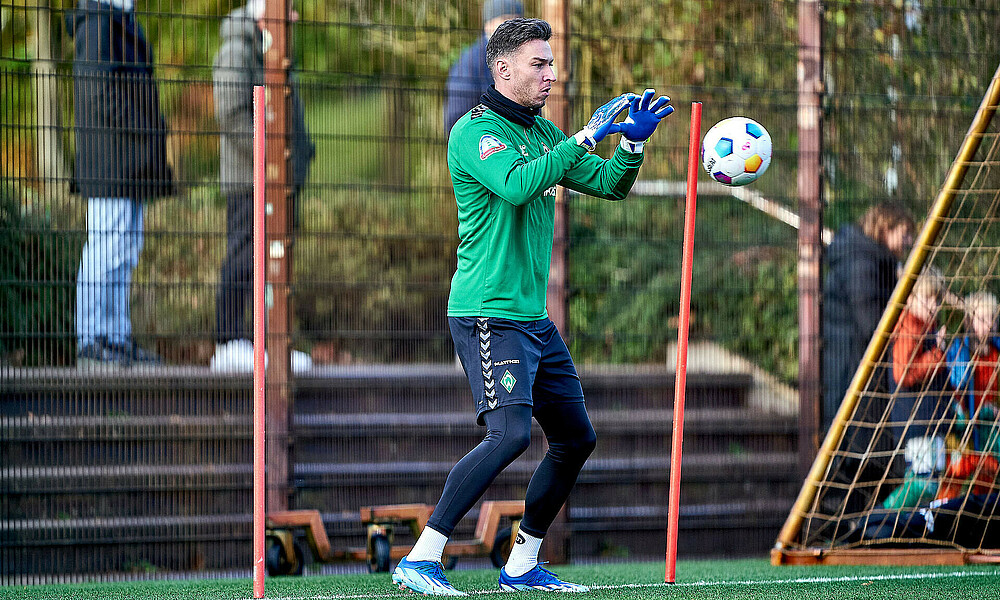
point(470, 76)
point(238, 66)
point(973, 361)
point(862, 266)
point(920, 400)
point(505, 162)
point(121, 162)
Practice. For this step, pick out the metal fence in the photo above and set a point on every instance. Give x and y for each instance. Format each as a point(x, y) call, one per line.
point(375, 229)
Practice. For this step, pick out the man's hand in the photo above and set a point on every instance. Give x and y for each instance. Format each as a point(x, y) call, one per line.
point(602, 122)
point(643, 116)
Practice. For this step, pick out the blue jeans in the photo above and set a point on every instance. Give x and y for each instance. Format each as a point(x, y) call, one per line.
point(114, 241)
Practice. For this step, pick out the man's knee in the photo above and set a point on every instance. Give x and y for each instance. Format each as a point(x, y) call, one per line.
point(509, 430)
point(576, 448)
point(515, 441)
point(586, 443)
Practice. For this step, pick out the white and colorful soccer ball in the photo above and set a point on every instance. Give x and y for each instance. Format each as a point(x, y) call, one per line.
point(736, 151)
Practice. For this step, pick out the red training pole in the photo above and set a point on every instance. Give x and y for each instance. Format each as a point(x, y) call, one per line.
point(680, 382)
point(258, 341)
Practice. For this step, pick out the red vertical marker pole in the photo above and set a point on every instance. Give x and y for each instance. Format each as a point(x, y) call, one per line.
point(680, 381)
point(258, 341)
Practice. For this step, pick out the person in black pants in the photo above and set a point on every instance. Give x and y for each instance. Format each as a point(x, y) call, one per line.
point(238, 66)
point(506, 162)
point(861, 272)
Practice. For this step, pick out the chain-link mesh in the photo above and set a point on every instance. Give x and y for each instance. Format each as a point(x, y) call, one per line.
point(130, 453)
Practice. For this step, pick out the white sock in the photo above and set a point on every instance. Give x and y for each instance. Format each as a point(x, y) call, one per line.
point(429, 546)
point(523, 554)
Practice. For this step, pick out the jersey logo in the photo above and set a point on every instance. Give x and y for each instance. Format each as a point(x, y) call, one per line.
point(489, 145)
point(477, 111)
point(508, 381)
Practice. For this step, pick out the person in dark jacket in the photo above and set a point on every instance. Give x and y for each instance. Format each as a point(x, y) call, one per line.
point(238, 66)
point(470, 77)
point(121, 162)
point(861, 271)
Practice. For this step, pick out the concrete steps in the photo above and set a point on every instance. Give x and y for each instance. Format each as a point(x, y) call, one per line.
point(152, 469)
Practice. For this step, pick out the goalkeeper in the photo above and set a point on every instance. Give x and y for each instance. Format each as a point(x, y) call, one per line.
point(505, 162)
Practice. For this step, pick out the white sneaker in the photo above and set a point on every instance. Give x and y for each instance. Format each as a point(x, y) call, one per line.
point(236, 356)
point(301, 362)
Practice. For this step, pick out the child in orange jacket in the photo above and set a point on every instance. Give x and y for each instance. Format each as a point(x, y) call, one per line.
point(920, 401)
point(917, 354)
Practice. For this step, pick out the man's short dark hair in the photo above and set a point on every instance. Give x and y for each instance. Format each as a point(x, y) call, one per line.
point(512, 34)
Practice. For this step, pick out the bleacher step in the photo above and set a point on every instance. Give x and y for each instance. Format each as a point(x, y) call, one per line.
point(152, 466)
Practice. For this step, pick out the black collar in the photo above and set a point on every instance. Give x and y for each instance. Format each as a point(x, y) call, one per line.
point(508, 109)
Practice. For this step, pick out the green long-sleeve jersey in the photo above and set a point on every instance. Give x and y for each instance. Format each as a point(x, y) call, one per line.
point(505, 176)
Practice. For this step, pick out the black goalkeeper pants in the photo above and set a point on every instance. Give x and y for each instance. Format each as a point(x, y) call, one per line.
point(571, 439)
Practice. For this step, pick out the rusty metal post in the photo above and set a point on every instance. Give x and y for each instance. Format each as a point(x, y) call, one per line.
point(810, 242)
point(557, 110)
point(278, 257)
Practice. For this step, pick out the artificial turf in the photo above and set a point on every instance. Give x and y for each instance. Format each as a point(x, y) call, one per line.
point(696, 580)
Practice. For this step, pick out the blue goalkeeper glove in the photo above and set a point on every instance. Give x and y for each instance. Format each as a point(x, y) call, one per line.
point(602, 122)
point(643, 117)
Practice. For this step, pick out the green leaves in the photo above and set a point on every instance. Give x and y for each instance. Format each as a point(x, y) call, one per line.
point(37, 287)
point(625, 282)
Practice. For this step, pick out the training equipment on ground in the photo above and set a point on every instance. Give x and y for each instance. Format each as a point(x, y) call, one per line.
point(601, 122)
point(259, 478)
point(644, 114)
point(736, 151)
point(882, 490)
point(683, 324)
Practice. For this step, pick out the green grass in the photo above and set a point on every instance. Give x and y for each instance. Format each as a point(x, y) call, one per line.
point(709, 580)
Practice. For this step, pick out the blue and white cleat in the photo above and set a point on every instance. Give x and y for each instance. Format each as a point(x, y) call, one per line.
point(538, 579)
point(424, 577)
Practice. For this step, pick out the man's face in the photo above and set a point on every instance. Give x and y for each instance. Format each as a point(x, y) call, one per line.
point(899, 239)
point(531, 74)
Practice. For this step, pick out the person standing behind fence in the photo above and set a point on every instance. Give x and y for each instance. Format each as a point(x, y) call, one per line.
point(238, 66)
point(862, 265)
point(470, 77)
point(121, 162)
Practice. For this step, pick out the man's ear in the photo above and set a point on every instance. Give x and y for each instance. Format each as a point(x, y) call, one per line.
point(502, 68)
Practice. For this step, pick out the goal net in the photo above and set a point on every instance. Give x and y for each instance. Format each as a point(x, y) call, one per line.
point(907, 473)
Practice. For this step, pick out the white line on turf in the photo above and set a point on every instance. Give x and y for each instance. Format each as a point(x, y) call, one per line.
point(843, 579)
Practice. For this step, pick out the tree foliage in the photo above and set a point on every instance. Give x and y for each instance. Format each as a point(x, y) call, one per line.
point(376, 247)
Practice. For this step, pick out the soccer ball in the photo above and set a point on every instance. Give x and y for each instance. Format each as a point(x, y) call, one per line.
point(736, 151)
